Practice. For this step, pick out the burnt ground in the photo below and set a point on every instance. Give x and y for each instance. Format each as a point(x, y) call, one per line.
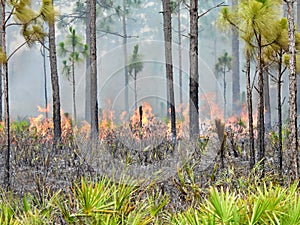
point(36, 166)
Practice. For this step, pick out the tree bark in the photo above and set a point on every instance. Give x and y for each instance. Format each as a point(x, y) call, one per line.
point(260, 106)
point(55, 84)
point(298, 77)
point(45, 80)
point(293, 137)
point(224, 93)
point(74, 88)
point(194, 75)
point(7, 181)
point(268, 119)
point(235, 69)
point(279, 106)
point(180, 56)
point(169, 64)
point(135, 90)
point(125, 56)
point(1, 74)
point(87, 66)
point(93, 66)
point(250, 112)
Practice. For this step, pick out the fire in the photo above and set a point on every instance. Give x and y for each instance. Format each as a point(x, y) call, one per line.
point(106, 121)
point(141, 125)
point(145, 116)
point(44, 110)
point(142, 120)
point(243, 118)
point(41, 127)
point(209, 109)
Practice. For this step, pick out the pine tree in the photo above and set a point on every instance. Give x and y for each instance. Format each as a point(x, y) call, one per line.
point(194, 74)
point(167, 18)
point(135, 66)
point(293, 137)
point(93, 71)
point(30, 22)
point(73, 48)
point(222, 67)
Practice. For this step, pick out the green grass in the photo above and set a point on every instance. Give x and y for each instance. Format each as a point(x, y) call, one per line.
point(128, 202)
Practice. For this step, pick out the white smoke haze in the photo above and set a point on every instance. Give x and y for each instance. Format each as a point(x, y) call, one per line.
point(26, 66)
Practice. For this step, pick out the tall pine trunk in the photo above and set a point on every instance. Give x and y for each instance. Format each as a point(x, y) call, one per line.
point(268, 118)
point(74, 88)
point(55, 84)
point(279, 106)
point(87, 66)
point(224, 93)
point(235, 68)
point(135, 90)
point(7, 181)
point(260, 107)
point(194, 74)
point(125, 56)
point(250, 111)
point(93, 67)
point(180, 56)
point(45, 80)
point(293, 137)
point(1, 74)
point(169, 64)
point(298, 77)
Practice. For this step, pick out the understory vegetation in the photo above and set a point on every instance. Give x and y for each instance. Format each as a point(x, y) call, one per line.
point(137, 175)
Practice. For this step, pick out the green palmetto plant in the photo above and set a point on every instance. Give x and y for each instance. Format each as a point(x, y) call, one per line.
point(156, 203)
point(222, 207)
point(73, 48)
point(7, 213)
point(292, 214)
point(273, 204)
point(191, 217)
point(34, 212)
point(94, 198)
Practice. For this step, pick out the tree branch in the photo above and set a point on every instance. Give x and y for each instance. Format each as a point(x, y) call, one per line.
point(18, 48)
point(117, 34)
point(207, 11)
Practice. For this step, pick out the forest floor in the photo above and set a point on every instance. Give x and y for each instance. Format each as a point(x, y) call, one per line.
point(183, 171)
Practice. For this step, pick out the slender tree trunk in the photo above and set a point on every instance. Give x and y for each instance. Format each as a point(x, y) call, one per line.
point(7, 181)
point(1, 91)
point(135, 91)
point(55, 84)
point(235, 68)
point(167, 17)
point(1, 74)
point(74, 89)
point(279, 106)
point(93, 60)
point(261, 108)
point(298, 77)
point(45, 81)
point(293, 137)
point(224, 86)
point(250, 112)
point(298, 15)
point(268, 119)
point(125, 56)
point(87, 66)
point(180, 56)
point(194, 74)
